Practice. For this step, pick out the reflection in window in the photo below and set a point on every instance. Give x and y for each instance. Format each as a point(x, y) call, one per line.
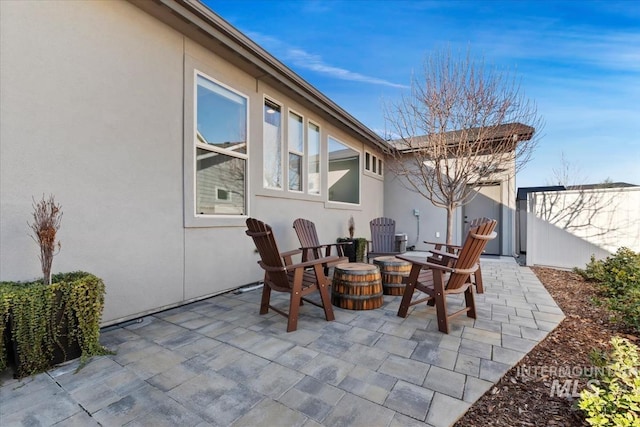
point(272, 140)
point(295, 172)
point(221, 149)
point(344, 173)
point(220, 183)
point(313, 147)
point(296, 151)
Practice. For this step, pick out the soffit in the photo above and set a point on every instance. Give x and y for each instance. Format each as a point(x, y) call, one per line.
point(196, 21)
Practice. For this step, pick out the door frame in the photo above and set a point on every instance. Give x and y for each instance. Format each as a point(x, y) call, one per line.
point(477, 187)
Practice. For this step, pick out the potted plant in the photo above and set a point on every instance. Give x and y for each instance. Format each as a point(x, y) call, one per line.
point(356, 251)
point(54, 319)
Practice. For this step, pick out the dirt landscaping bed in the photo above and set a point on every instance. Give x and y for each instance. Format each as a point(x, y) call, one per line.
point(528, 394)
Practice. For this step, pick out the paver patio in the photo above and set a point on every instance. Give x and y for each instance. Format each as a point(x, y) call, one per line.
point(217, 362)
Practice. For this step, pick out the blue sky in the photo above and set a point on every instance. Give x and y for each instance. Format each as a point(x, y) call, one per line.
point(579, 61)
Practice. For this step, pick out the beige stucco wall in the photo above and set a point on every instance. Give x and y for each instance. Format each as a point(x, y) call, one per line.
point(96, 109)
point(431, 225)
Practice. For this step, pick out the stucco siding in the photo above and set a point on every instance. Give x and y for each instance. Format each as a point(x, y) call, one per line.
point(431, 225)
point(91, 112)
point(400, 203)
point(97, 109)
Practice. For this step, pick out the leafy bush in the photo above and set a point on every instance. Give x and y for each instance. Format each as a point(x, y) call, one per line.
point(594, 271)
point(615, 398)
point(618, 278)
point(36, 315)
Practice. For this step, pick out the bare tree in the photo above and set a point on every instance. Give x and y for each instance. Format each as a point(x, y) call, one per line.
point(460, 125)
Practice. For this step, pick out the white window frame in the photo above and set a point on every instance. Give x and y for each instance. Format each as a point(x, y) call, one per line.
point(320, 158)
point(360, 172)
point(283, 160)
point(374, 166)
point(197, 144)
point(296, 152)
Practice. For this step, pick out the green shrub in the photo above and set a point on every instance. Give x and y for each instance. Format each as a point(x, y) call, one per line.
point(36, 313)
point(618, 278)
point(361, 247)
point(594, 271)
point(355, 251)
point(614, 399)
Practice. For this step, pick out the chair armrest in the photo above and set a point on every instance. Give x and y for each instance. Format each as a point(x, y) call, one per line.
point(302, 248)
point(341, 243)
point(290, 253)
point(313, 262)
point(426, 264)
point(326, 245)
point(444, 254)
point(288, 256)
point(440, 267)
point(340, 247)
point(439, 245)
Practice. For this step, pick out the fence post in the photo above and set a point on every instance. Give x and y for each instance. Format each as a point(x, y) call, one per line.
point(531, 229)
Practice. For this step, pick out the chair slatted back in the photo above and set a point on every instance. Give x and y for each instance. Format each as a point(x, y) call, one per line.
point(308, 237)
point(469, 255)
point(271, 262)
point(383, 234)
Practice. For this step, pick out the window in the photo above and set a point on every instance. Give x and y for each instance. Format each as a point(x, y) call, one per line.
point(221, 149)
point(313, 156)
point(296, 151)
point(223, 194)
point(372, 164)
point(344, 173)
point(272, 167)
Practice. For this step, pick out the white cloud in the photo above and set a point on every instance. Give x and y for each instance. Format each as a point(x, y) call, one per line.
point(605, 49)
point(303, 59)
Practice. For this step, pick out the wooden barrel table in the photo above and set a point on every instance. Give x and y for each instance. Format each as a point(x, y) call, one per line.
point(357, 286)
point(393, 270)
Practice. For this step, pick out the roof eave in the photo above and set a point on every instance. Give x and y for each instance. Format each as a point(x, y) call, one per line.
point(253, 59)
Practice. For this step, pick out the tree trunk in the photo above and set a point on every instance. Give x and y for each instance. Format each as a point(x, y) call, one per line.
point(450, 211)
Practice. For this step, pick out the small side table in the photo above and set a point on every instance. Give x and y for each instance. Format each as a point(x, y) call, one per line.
point(357, 286)
point(393, 271)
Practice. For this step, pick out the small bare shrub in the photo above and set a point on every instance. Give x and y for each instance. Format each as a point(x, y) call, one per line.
point(47, 215)
point(352, 226)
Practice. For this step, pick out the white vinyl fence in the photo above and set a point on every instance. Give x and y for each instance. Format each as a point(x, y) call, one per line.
point(564, 228)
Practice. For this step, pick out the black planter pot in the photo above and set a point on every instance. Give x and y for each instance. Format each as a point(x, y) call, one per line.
point(349, 250)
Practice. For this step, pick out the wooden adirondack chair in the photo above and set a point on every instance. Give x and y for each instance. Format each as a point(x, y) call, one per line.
point(383, 235)
point(454, 249)
point(439, 280)
point(282, 275)
point(311, 247)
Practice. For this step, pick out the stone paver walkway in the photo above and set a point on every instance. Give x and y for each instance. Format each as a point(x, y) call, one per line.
point(217, 362)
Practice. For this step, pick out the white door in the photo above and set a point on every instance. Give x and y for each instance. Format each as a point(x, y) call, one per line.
point(487, 203)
